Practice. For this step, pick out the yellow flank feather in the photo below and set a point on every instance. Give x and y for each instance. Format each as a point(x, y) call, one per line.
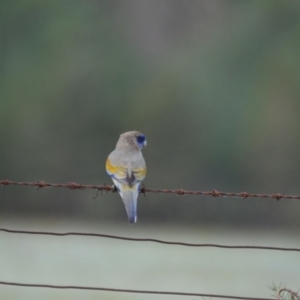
point(117, 171)
point(120, 172)
point(140, 173)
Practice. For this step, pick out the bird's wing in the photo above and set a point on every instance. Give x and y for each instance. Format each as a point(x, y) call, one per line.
point(124, 174)
point(139, 173)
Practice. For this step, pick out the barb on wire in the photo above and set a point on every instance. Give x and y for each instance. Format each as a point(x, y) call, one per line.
point(127, 290)
point(293, 295)
point(283, 293)
point(214, 193)
point(146, 240)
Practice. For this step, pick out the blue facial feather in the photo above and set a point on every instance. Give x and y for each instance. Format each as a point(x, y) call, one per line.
point(141, 139)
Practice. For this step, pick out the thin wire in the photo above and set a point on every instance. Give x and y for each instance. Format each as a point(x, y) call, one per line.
point(127, 290)
point(146, 240)
point(180, 192)
point(143, 190)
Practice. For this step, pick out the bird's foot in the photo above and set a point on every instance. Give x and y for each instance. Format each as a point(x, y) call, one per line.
point(114, 189)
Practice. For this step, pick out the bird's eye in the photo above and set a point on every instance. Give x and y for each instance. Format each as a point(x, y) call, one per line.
point(140, 139)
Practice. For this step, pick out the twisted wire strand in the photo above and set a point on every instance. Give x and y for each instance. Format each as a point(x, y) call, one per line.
point(181, 192)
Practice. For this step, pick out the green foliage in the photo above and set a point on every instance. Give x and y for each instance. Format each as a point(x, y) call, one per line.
point(214, 89)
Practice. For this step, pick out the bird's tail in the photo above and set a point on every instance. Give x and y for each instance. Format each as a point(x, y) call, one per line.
point(129, 196)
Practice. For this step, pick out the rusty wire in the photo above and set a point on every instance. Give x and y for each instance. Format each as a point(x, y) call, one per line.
point(181, 192)
point(143, 190)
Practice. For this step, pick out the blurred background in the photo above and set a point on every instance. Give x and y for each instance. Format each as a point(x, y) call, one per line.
point(213, 84)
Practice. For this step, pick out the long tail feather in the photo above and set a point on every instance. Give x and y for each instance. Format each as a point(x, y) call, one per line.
point(130, 200)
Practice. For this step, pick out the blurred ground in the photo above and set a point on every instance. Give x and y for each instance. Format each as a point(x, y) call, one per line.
point(136, 265)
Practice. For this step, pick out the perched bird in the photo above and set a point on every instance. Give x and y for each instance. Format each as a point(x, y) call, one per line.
point(126, 167)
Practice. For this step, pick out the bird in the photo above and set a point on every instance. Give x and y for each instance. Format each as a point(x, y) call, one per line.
point(127, 168)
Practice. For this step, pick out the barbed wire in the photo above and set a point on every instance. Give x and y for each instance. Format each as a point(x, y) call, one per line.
point(181, 192)
point(144, 190)
point(146, 240)
point(35, 285)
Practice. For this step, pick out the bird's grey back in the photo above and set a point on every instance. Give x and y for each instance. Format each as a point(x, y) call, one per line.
point(130, 158)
